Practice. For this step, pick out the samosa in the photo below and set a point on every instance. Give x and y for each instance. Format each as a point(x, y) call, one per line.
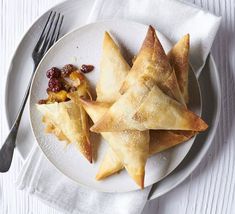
point(153, 61)
point(66, 119)
point(159, 140)
point(69, 121)
point(144, 106)
point(179, 60)
point(113, 71)
point(131, 147)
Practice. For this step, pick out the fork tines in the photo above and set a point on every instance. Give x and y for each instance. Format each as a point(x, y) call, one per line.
point(50, 33)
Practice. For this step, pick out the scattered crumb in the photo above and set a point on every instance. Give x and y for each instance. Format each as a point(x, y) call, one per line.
point(74, 59)
point(163, 157)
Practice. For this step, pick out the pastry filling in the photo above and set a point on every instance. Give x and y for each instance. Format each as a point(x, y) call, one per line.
point(64, 81)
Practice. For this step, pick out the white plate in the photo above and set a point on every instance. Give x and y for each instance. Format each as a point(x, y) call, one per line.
point(83, 46)
point(76, 13)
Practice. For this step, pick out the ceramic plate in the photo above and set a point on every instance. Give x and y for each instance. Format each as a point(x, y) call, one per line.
point(76, 13)
point(83, 46)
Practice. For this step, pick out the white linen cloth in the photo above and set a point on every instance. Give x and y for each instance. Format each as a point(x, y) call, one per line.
point(171, 17)
point(174, 19)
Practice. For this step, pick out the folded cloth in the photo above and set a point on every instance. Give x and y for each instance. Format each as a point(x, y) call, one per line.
point(40, 178)
point(173, 18)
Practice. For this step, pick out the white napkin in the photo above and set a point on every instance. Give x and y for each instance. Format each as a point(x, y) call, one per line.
point(40, 178)
point(171, 17)
point(174, 19)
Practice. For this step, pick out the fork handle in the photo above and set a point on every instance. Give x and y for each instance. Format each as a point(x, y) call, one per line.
point(7, 150)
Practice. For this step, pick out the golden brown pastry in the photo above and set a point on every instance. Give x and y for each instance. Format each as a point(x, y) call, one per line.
point(178, 57)
point(153, 61)
point(144, 106)
point(67, 118)
point(159, 140)
point(159, 111)
point(162, 140)
point(110, 164)
point(113, 71)
point(131, 147)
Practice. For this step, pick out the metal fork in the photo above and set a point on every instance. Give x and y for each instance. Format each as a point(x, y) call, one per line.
point(48, 37)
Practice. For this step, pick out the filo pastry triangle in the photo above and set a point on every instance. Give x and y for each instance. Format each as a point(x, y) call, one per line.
point(131, 147)
point(113, 162)
point(159, 140)
point(113, 71)
point(179, 60)
point(69, 121)
point(144, 106)
point(152, 60)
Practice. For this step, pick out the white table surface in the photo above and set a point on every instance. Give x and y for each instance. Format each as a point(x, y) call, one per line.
point(209, 189)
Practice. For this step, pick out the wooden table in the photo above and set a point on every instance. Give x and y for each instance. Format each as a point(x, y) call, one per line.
point(209, 189)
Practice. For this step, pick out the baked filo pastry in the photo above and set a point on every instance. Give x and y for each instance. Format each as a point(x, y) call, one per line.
point(68, 120)
point(131, 147)
point(113, 71)
point(179, 60)
point(144, 106)
point(152, 60)
point(159, 140)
